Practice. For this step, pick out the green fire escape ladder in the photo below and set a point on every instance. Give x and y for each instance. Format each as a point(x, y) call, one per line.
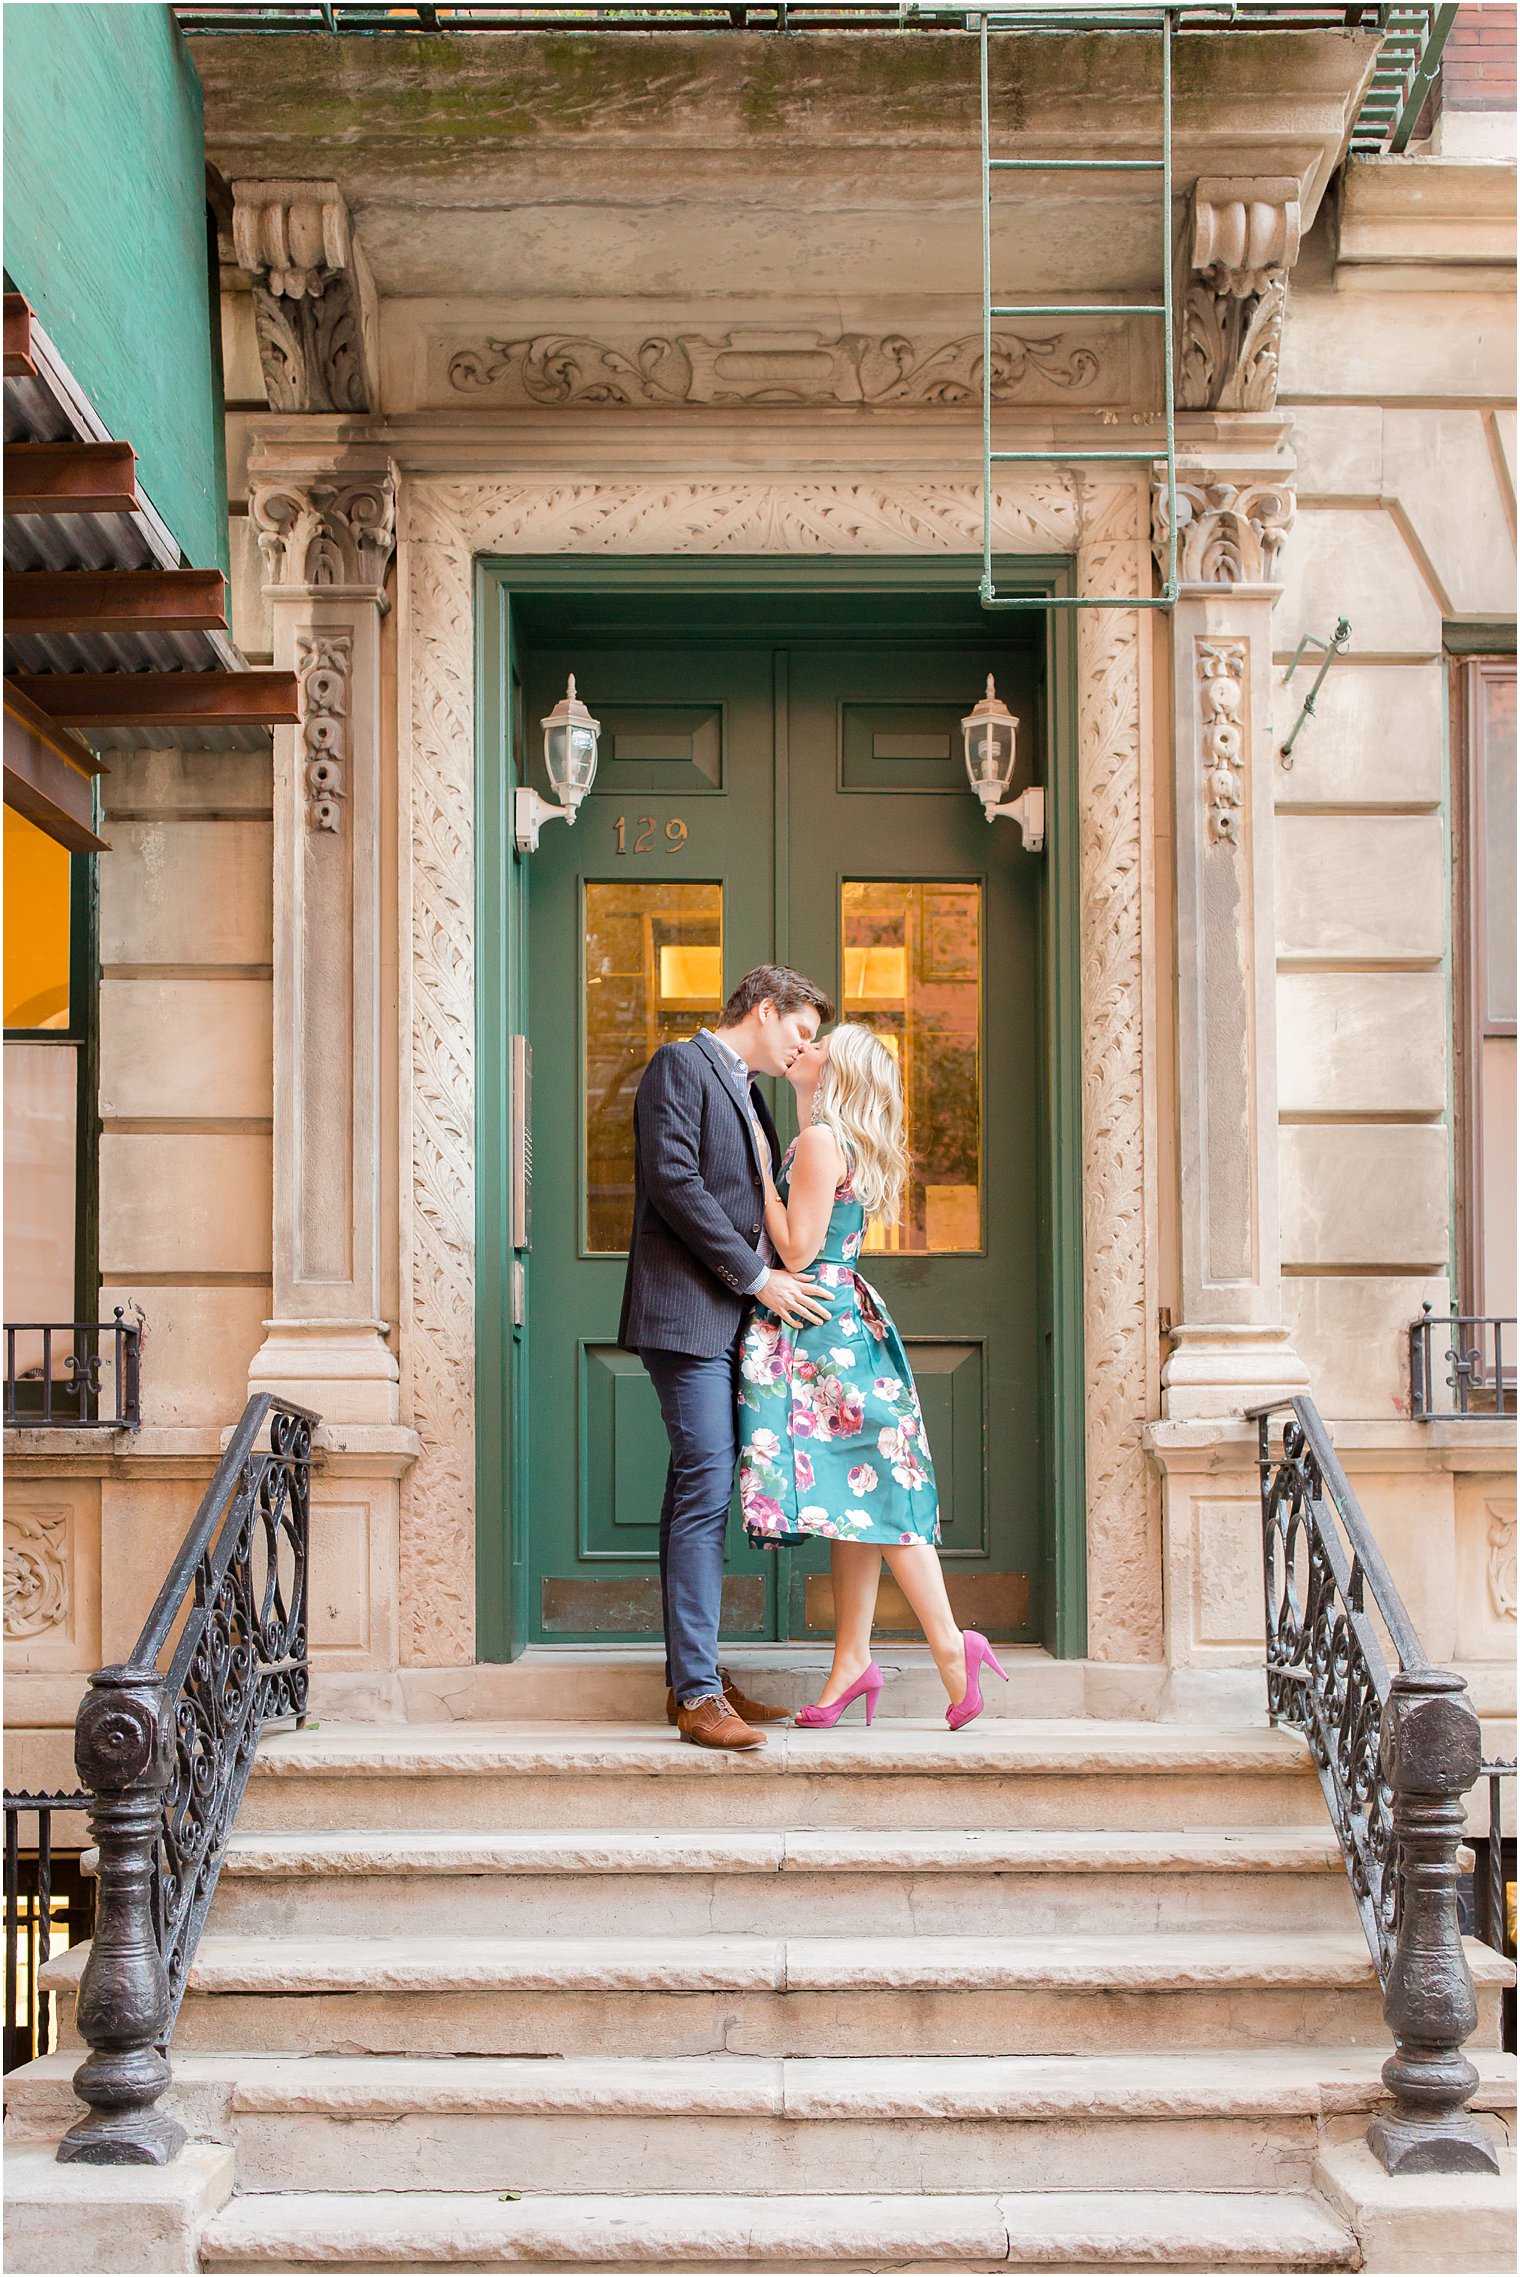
point(1159, 23)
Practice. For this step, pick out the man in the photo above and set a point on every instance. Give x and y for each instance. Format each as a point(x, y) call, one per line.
point(698, 1256)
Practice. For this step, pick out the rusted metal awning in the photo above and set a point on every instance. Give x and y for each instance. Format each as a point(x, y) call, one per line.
point(110, 638)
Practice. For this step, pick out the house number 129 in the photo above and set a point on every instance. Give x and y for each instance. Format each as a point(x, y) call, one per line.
point(675, 834)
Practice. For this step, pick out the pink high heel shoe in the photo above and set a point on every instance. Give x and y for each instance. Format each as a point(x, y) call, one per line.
point(978, 1650)
point(824, 1719)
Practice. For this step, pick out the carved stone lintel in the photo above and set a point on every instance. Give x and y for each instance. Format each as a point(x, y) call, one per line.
point(312, 299)
point(324, 665)
point(1228, 533)
point(331, 530)
point(1221, 674)
point(1431, 1749)
point(772, 368)
point(123, 1749)
point(1245, 238)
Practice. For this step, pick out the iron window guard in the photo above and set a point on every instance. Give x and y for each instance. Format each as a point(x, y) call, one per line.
point(37, 1399)
point(1396, 1753)
point(1481, 1381)
point(29, 1925)
point(165, 1752)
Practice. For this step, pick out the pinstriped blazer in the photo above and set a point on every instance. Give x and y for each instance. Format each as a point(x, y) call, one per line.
point(698, 1204)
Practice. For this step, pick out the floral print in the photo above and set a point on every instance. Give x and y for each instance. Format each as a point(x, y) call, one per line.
point(831, 1438)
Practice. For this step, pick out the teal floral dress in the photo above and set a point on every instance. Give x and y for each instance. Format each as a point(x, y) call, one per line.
point(831, 1440)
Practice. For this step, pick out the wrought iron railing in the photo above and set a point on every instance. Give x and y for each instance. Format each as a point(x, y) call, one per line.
point(1470, 1355)
point(53, 1372)
point(164, 1744)
point(1494, 1907)
point(30, 1894)
point(1396, 1753)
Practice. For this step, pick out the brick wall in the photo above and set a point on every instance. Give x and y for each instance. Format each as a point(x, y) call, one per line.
point(1478, 60)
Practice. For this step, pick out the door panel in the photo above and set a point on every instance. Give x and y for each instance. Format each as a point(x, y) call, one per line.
point(835, 766)
point(642, 916)
point(926, 922)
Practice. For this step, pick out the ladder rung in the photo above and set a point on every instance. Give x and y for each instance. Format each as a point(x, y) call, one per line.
point(1056, 456)
point(1090, 308)
point(1077, 165)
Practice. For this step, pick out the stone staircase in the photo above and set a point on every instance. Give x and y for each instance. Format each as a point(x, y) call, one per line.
point(1061, 1994)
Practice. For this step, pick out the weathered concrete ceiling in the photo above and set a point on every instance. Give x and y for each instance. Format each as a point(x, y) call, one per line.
point(827, 169)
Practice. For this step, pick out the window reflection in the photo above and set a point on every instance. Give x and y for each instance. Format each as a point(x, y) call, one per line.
point(654, 971)
point(912, 972)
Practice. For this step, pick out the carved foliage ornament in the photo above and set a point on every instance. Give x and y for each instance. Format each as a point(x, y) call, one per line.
point(36, 1571)
point(1221, 674)
point(332, 531)
point(1245, 240)
point(1501, 1559)
point(1227, 533)
point(767, 368)
point(294, 242)
point(324, 663)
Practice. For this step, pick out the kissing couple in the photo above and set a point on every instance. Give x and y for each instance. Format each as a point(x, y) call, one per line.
point(768, 1350)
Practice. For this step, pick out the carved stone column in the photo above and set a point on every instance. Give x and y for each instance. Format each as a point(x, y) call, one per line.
point(1229, 1348)
point(327, 540)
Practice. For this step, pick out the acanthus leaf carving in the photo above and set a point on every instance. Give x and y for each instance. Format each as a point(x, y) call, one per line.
point(37, 1580)
point(1228, 533)
point(1501, 1559)
point(326, 531)
point(768, 368)
point(310, 289)
point(1245, 238)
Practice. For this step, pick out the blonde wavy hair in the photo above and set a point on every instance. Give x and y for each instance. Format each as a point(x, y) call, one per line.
point(860, 1099)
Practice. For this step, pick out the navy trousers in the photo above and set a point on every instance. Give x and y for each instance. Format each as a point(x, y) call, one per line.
point(699, 1402)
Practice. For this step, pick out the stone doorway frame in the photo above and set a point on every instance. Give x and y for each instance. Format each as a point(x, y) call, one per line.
point(1103, 525)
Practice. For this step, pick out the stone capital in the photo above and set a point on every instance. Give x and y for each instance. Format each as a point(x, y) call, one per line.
point(330, 533)
point(1243, 239)
point(313, 300)
point(1230, 529)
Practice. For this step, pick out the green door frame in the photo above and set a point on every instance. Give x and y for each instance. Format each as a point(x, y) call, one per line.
point(501, 1001)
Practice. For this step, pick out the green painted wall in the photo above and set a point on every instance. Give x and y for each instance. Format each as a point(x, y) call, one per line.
point(105, 234)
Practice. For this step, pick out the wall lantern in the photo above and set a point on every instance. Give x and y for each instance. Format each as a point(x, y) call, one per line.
point(991, 735)
point(570, 740)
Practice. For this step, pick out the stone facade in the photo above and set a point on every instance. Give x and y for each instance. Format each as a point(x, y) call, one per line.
point(288, 995)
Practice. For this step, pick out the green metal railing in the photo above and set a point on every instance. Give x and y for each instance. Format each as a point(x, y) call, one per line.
point(1158, 22)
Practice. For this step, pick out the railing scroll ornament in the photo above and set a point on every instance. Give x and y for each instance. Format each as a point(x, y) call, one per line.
point(1396, 1753)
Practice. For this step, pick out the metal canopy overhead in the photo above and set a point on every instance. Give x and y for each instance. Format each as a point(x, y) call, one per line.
point(43, 405)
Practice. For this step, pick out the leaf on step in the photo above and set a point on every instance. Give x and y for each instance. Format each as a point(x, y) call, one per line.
point(507, 2197)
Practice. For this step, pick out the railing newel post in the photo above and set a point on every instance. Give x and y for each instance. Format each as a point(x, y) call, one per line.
point(1431, 1753)
point(123, 1752)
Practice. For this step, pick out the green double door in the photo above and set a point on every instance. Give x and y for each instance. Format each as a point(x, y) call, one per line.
point(801, 799)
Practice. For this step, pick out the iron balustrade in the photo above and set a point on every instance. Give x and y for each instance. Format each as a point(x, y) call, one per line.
point(29, 1897)
point(1472, 1366)
point(38, 1397)
point(164, 1744)
point(1396, 1753)
point(1494, 1919)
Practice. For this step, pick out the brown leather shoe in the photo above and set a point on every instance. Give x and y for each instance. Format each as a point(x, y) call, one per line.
point(712, 1723)
point(752, 1711)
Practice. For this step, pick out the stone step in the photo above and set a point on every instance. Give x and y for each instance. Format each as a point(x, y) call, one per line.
point(1241, 2119)
point(594, 1882)
point(1101, 2230)
point(852, 1996)
point(1056, 1774)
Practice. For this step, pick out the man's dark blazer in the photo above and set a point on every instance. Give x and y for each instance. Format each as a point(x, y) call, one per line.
point(698, 1203)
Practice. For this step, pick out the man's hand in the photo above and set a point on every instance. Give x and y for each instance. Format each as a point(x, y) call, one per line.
point(796, 1298)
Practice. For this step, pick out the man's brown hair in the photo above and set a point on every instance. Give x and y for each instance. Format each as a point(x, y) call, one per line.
point(789, 991)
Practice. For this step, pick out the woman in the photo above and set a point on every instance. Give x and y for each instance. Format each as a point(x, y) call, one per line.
point(831, 1440)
